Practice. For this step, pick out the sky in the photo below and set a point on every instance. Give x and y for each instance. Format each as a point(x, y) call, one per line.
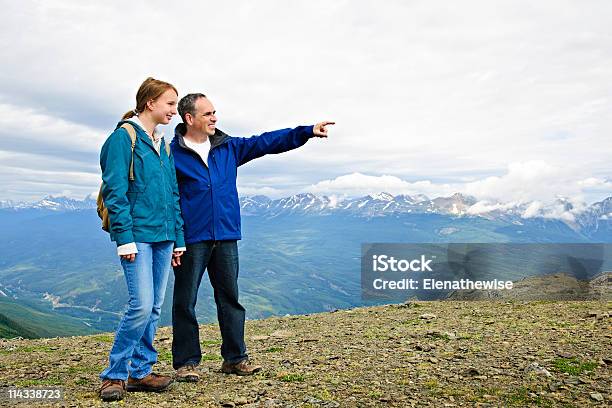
point(507, 101)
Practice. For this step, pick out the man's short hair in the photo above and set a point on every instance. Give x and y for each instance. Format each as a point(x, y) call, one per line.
point(187, 104)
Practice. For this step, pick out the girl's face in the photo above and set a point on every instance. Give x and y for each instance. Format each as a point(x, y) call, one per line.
point(164, 108)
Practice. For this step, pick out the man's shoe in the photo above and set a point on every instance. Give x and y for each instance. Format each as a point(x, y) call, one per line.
point(112, 390)
point(151, 383)
point(240, 368)
point(187, 373)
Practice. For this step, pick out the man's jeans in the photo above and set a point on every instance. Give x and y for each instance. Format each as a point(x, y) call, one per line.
point(146, 279)
point(220, 258)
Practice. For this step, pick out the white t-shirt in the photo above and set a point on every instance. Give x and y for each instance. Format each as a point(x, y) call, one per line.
point(200, 148)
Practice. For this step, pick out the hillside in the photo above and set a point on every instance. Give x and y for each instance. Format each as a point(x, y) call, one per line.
point(445, 353)
point(29, 320)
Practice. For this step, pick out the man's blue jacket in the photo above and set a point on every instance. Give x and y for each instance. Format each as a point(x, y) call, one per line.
point(208, 194)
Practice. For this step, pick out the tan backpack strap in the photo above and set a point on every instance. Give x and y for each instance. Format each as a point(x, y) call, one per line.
point(132, 132)
point(167, 149)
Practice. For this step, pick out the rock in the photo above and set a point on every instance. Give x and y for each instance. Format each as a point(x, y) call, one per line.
point(319, 402)
point(434, 360)
point(427, 316)
point(260, 337)
point(537, 369)
point(228, 404)
point(281, 334)
point(565, 354)
point(241, 401)
point(408, 304)
point(572, 381)
point(596, 396)
point(442, 334)
point(599, 315)
point(472, 372)
point(287, 363)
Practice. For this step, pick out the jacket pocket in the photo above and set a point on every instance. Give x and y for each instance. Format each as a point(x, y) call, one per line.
point(144, 169)
point(194, 190)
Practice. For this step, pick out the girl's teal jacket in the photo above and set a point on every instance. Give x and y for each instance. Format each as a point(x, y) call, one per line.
point(146, 209)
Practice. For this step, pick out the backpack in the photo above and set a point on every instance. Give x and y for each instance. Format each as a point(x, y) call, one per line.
point(100, 207)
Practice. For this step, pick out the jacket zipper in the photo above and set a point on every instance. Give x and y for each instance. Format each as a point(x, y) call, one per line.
point(161, 165)
point(182, 145)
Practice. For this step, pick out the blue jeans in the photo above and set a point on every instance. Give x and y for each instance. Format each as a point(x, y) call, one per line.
point(220, 258)
point(146, 279)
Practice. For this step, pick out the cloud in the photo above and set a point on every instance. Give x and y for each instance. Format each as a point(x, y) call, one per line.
point(566, 210)
point(267, 191)
point(484, 206)
point(450, 93)
point(523, 182)
point(357, 184)
point(25, 130)
point(527, 181)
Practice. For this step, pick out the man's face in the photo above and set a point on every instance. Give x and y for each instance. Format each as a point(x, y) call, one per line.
point(204, 119)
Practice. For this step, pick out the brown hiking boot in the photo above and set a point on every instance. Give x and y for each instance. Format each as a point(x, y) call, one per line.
point(112, 390)
point(187, 373)
point(151, 383)
point(240, 368)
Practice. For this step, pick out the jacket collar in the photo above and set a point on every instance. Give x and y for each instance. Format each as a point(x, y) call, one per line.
point(140, 132)
point(157, 134)
point(217, 139)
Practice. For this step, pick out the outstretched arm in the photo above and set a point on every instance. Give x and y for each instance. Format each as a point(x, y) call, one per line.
point(277, 141)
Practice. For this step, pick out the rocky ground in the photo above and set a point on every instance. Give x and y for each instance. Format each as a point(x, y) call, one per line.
point(432, 354)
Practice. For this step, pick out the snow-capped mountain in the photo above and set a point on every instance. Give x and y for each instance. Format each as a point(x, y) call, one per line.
point(586, 219)
point(7, 204)
point(373, 205)
point(596, 216)
point(55, 204)
point(457, 204)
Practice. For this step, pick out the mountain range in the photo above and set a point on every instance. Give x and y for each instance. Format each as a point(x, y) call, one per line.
point(586, 219)
point(299, 254)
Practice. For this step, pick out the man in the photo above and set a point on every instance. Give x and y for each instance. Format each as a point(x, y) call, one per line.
point(206, 161)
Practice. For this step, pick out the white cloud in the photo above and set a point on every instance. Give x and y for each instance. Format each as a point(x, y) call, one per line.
point(537, 182)
point(484, 206)
point(356, 184)
point(267, 191)
point(555, 210)
point(527, 181)
point(450, 93)
point(25, 129)
point(532, 210)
